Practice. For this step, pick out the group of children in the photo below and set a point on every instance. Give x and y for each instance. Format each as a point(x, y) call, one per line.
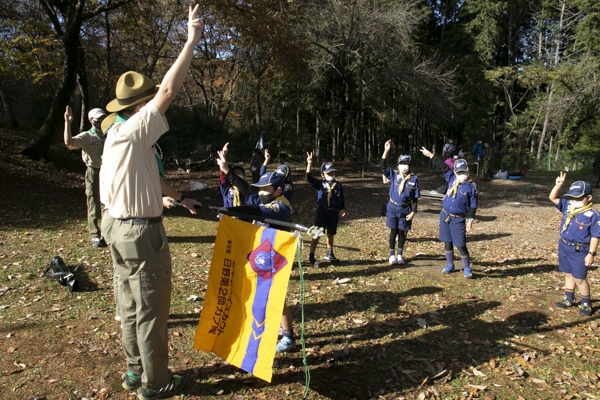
point(270, 197)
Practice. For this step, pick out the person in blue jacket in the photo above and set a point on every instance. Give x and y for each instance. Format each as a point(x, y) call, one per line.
point(283, 170)
point(579, 237)
point(402, 205)
point(477, 150)
point(331, 205)
point(232, 196)
point(458, 210)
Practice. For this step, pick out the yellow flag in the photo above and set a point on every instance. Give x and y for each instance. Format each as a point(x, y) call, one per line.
point(244, 300)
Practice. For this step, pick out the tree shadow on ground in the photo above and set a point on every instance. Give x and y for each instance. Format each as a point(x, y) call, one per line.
point(192, 239)
point(376, 358)
point(326, 273)
point(382, 302)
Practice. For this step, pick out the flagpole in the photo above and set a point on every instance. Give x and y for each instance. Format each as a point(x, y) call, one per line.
point(312, 231)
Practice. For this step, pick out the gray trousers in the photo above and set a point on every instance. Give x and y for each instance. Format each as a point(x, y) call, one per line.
point(142, 259)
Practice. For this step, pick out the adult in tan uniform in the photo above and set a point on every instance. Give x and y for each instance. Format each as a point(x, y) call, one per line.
point(138, 241)
point(91, 144)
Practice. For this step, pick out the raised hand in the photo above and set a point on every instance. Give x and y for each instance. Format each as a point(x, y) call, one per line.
point(560, 180)
point(195, 25)
point(309, 157)
point(225, 149)
point(222, 162)
point(426, 152)
point(68, 115)
point(388, 145)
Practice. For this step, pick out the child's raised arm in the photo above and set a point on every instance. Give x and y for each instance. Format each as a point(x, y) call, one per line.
point(560, 180)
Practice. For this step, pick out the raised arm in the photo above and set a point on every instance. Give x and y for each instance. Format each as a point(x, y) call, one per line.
point(386, 151)
point(174, 78)
point(554, 194)
point(67, 134)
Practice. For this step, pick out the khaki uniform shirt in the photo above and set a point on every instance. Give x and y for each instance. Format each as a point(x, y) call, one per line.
point(129, 179)
point(91, 143)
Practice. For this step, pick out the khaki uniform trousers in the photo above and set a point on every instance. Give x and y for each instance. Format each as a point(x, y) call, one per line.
point(142, 258)
point(107, 226)
point(94, 207)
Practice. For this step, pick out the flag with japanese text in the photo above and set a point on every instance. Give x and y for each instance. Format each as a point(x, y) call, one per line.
point(247, 285)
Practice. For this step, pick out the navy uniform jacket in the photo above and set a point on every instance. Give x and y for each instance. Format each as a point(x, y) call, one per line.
point(279, 209)
point(336, 200)
point(464, 202)
point(228, 191)
point(411, 187)
point(582, 227)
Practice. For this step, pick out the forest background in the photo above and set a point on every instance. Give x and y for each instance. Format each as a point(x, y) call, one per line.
point(337, 77)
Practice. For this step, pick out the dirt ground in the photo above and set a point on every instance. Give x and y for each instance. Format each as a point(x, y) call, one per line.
point(495, 336)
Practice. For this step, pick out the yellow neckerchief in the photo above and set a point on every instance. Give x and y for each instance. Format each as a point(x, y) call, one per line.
point(404, 180)
point(573, 213)
point(455, 184)
point(285, 201)
point(236, 197)
point(329, 192)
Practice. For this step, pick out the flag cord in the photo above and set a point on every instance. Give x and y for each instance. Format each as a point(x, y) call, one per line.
point(304, 360)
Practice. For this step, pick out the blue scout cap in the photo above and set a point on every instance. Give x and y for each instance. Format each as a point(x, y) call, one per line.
point(578, 189)
point(270, 179)
point(327, 168)
point(461, 165)
point(283, 170)
point(404, 159)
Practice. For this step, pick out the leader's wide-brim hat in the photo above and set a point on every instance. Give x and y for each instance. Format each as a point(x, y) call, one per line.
point(132, 89)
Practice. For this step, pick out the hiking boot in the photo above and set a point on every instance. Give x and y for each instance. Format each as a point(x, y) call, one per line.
point(177, 383)
point(132, 381)
point(286, 343)
point(399, 260)
point(331, 257)
point(448, 268)
point(565, 303)
point(467, 273)
point(99, 242)
point(392, 260)
point(585, 309)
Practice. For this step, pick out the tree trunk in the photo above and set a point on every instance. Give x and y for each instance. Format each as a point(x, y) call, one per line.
point(82, 84)
point(11, 121)
point(38, 148)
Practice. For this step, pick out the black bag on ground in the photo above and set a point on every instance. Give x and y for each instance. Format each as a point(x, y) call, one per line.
point(59, 270)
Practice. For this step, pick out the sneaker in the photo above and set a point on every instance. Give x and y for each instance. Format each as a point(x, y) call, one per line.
point(177, 383)
point(565, 303)
point(585, 309)
point(132, 381)
point(286, 344)
point(98, 242)
point(399, 259)
point(448, 268)
point(331, 257)
point(467, 273)
point(392, 260)
point(313, 261)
